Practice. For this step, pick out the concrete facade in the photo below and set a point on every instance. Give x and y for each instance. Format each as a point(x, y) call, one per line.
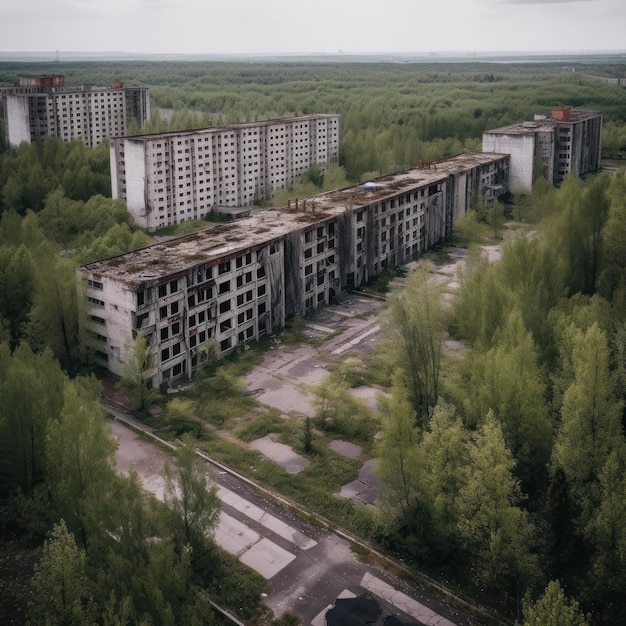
point(234, 283)
point(169, 178)
point(566, 142)
point(44, 106)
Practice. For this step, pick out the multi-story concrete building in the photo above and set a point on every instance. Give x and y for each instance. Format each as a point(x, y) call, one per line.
point(168, 178)
point(566, 142)
point(236, 282)
point(43, 106)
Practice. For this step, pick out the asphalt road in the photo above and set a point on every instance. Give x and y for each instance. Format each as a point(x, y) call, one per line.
point(307, 566)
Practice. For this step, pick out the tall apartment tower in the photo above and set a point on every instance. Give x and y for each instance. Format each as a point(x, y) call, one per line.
point(567, 141)
point(172, 177)
point(44, 106)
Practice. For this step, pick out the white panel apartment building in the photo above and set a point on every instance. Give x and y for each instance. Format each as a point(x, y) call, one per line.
point(566, 142)
point(44, 106)
point(236, 282)
point(173, 177)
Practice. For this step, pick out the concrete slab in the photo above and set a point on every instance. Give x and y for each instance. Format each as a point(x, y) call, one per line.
point(403, 603)
point(369, 396)
point(266, 519)
point(365, 488)
point(266, 558)
point(280, 453)
point(234, 536)
point(320, 620)
point(345, 448)
point(356, 341)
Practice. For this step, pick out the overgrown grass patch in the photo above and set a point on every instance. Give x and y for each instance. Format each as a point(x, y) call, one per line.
point(314, 487)
point(259, 425)
point(231, 454)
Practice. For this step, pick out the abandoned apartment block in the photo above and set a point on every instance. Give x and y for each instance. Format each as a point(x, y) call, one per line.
point(568, 141)
point(44, 106)
point(169, 178)
point(234, 283)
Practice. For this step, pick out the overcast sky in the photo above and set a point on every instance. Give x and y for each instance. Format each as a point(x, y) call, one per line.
point(311, 26)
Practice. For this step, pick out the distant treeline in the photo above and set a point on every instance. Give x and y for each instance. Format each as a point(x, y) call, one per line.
point(393, 114)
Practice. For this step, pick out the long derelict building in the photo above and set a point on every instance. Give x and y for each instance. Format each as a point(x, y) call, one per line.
point(236, 282)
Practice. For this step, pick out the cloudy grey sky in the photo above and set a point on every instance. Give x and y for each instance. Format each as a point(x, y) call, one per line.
point(324, 26)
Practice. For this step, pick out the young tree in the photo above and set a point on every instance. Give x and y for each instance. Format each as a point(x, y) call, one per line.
point(307, 435)
point(31, 398)
point(496, 531)
point(482, 304)
point(399, 455)
point(577, 230)
point(414, 324)
point(79, 461)
point(553, 609)
point(590, 416)
point(134, 383)
point(61, 589)
point(190, 494)
point(337, 410)
point(445, 459)
point(613, 254)
point(17, 286)
point(56, 310)
point(507, 380)
point(607, 533)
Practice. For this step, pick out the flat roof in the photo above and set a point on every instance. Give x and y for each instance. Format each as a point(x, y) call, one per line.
point(229, 127)
point(176, 255)
point(544, 123)
point(525, 128)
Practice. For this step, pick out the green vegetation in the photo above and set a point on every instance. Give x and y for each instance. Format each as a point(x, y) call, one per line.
point(113, 554)
point(501, 471)
point(513, 480)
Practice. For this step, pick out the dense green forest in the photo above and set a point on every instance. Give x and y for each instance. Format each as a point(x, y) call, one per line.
point(502, 469)
point(517, 476)
point(393, 115)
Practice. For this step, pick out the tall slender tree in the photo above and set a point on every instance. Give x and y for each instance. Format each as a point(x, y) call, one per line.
point(415, 327)
point(496, 531)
